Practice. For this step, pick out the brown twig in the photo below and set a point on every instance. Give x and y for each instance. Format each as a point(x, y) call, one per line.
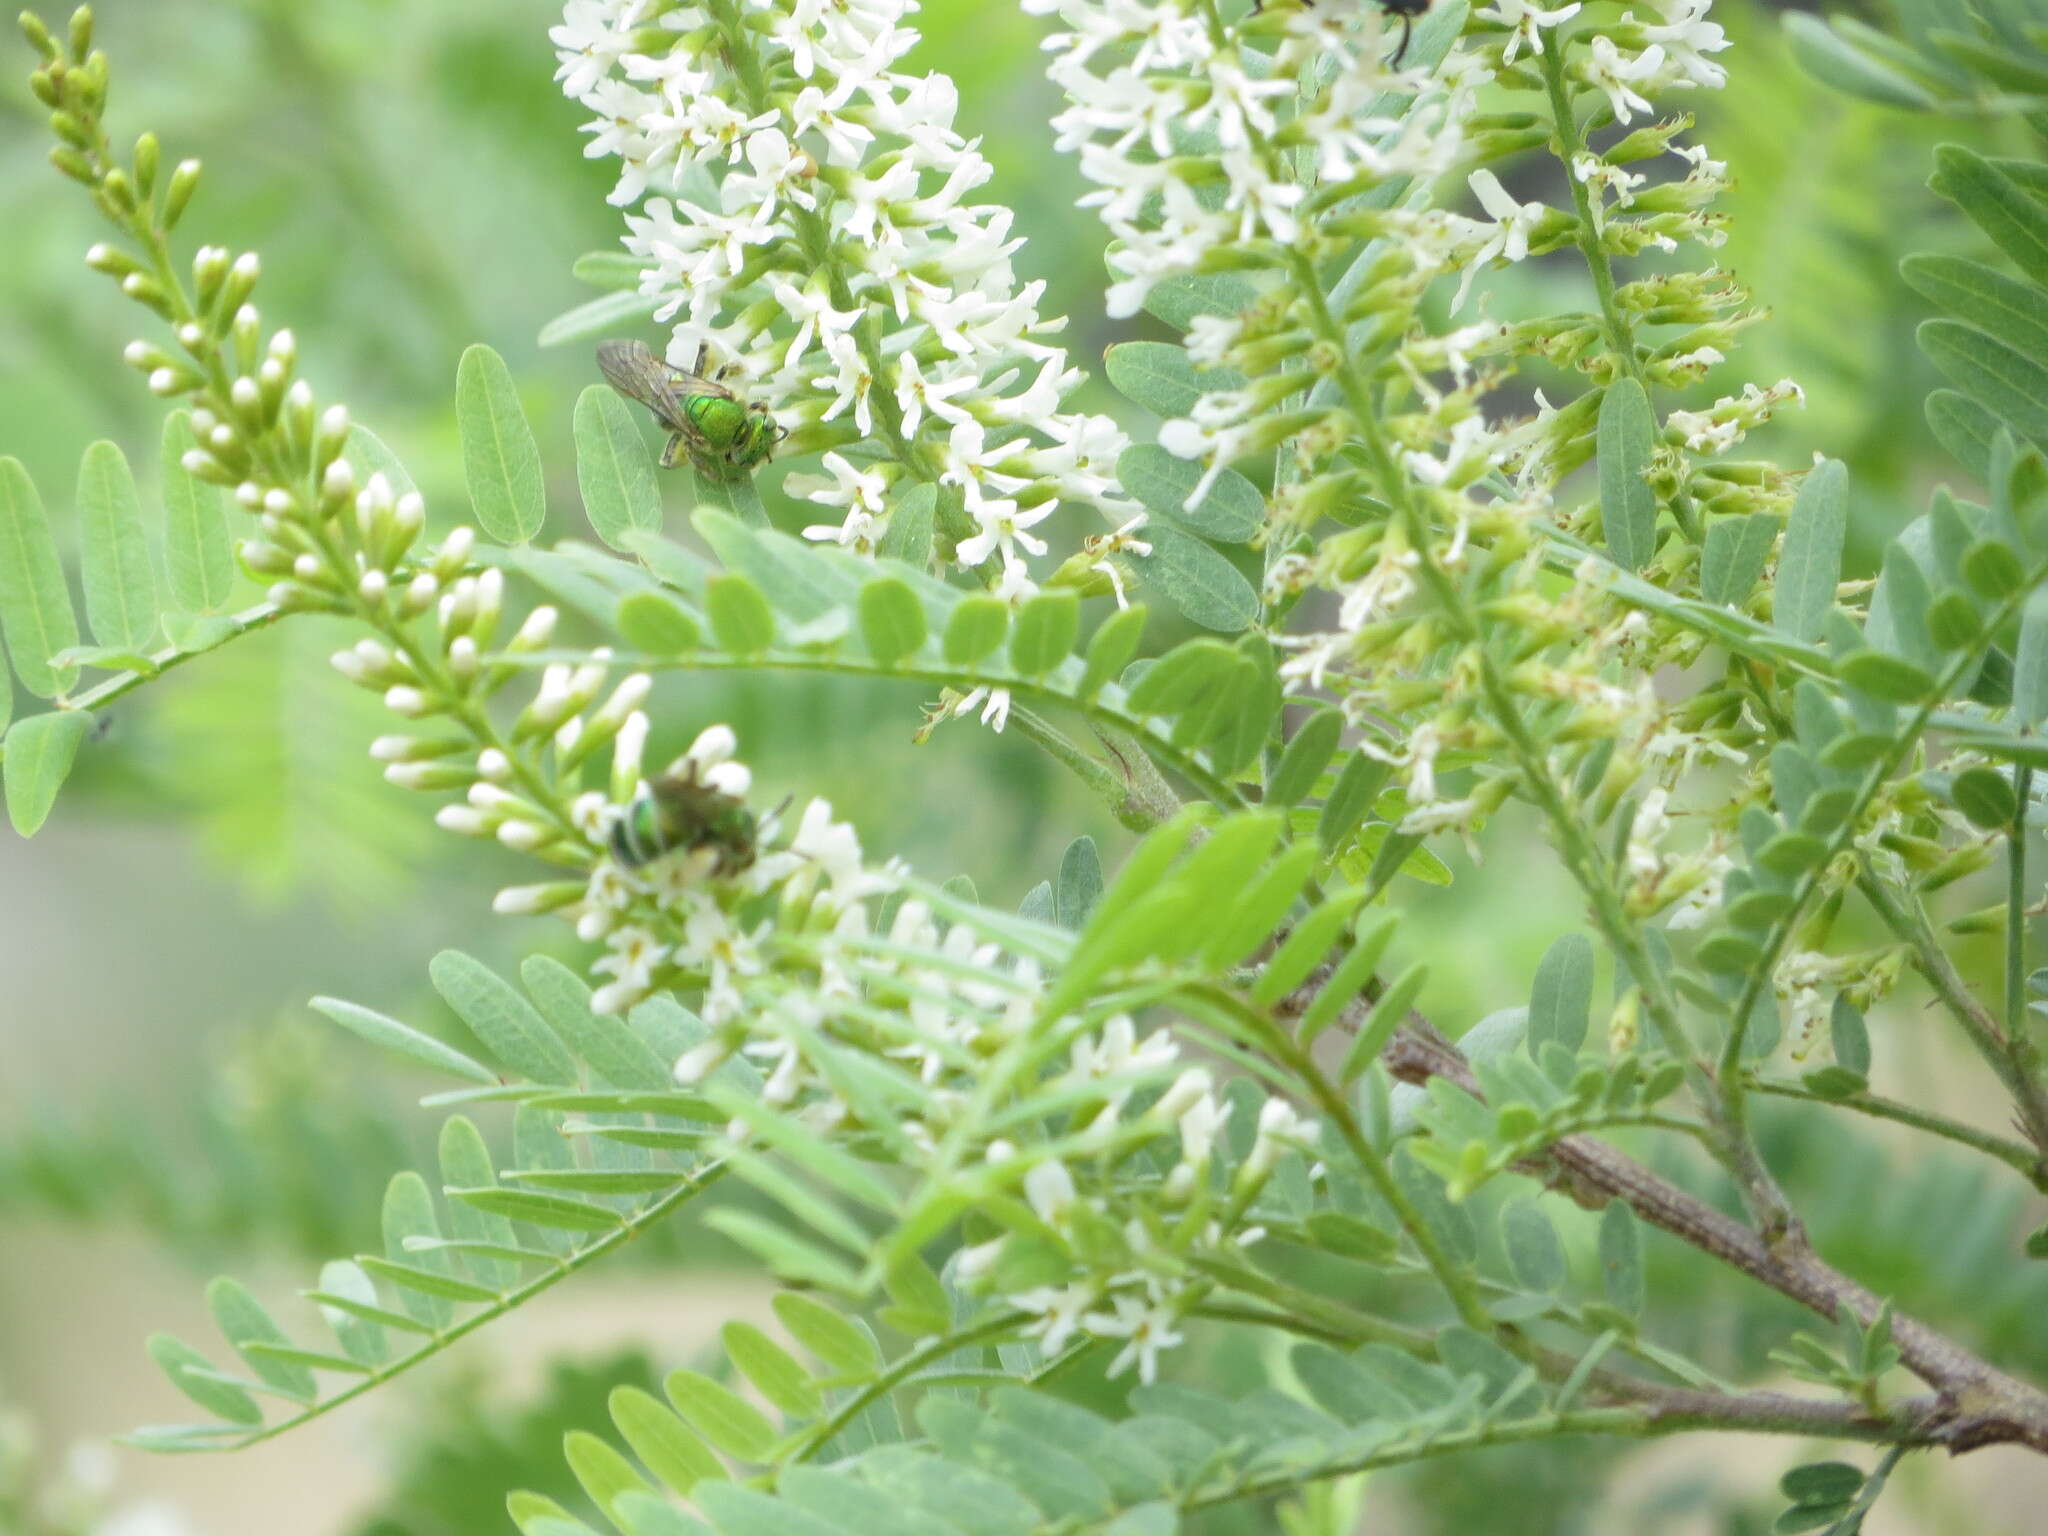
point(1974, 1403)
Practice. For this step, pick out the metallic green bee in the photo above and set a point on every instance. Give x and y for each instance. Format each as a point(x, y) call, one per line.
point(679, 814)
point(724, 436)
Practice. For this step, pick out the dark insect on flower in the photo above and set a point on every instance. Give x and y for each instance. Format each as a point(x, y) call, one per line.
point(678, 813)
point(1407, 10)
point(724, 436)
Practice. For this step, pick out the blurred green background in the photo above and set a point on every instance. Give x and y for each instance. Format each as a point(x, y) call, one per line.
point(168, 1108)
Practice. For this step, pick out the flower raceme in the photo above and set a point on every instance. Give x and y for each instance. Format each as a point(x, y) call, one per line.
point(801, 205)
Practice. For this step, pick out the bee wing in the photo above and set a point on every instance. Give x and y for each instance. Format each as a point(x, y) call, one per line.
point(634, 371)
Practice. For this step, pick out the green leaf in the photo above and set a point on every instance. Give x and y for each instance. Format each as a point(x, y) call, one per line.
point(1111, 648)
point(1368, 947)
point(1044, 634)
point(500, 458)
point(892, 620)
point(501, 1018)
point(1833, 60)
point(1621, 1257)
point(662, 1441)
point(976, 628)
point(2008, 383)
point(1810, 566)
point(913, 522)
point(35, 605)
point(409, 1212)
point(188, 1370)
point(1535, 1256)
point(1562, 998)
point(2016, 222)
point(1307, 755)
point(1850, 1038)
point(370, 455)
point(391, 1035)
point(1964, 428)
point(1261, 906)
point(199, 558)
point(1358, 786)
point(603, 1473)
point(1232, 511)
point(40, 750)
point(614, 468)
point(1389, 1012)
point(1985, 796)
point(1882, 676)
point(1989, 300)
point(618, 1055)
point(1198, 581)
point(539, 1208)
point(601, 316)
point(1822, 1482)
point(842, 1345)
point(466, 1164)
point(1628, 507)
point(1159, 376)
point(656, 624)
point(741, 619)
point(1179, 300)
point(728, 1421)
point(361, 1337)
point(1181, 678)
point(120, 588)
point(773, 1370)
point(242, 1322)
point(1080, 884)
point(1734, 557)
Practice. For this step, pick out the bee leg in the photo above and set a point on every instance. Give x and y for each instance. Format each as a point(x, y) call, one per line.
point(703, 356)
point(1407, 35)
point(672, 450)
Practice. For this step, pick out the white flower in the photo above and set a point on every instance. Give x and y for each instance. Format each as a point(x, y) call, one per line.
point(1526, 22)
point(1147, 1325)
point(1049, 1188)
point(1509, 239)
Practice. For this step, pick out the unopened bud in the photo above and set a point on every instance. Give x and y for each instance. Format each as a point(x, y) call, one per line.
point(146, 153)
point(407, 701)
point(184, 182)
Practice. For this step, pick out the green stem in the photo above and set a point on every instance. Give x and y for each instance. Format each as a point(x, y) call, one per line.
point(2010, 1058)
point(2016, 1032)
point(249, 620)
point(2027, 1160)
point(629, 1227)
point(1620, 334)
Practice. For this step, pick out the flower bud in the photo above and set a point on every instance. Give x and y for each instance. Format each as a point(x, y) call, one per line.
point(147, 291)
point(420, 593)
point(493, 765)
point(408, 701)
point(533, 900)
point(265, 559)
point(452, 559)
point(463, 820)
point(242, 276)
point(110, 259)
point(246, 329)
point(209, 273)
point(74, 165)
point(427, 775)
point(184, 182)
point(117, 189)
point(524, 836)
point(202, 465)
point(146, 154)
point(332, 437)
point(536, 632)
point(373, 587)
point(38, 35)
